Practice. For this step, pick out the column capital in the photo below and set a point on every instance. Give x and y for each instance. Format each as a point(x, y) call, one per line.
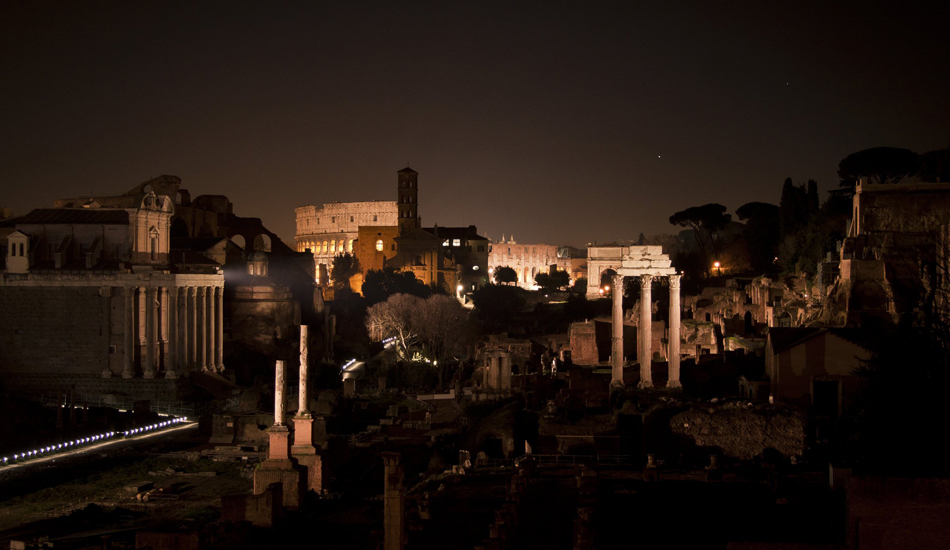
point(617, 279)
point(646, 279)
point(675, 280)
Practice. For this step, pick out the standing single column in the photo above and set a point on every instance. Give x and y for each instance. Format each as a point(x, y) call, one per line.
point(279, 394)
point(182, 328)
point(211, 336)
point(645, 336)
point(674, 331)
point(304, 369)
point(171, 359)
point(616, 348)
point(201, 328)
point(128, 366)
point(219, 329)
point(151, 331)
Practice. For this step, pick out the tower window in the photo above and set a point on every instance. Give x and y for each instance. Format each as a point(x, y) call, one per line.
point(351, 218)
point(379, 245)
point(374, 218)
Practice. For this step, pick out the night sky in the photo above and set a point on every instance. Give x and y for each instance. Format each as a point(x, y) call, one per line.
point(559, 122)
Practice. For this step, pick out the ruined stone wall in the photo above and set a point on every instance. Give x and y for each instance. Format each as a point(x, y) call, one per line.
point(53, 329)
point(344, 217)
point(741, 431)
point(526, 259)
point(902, 208)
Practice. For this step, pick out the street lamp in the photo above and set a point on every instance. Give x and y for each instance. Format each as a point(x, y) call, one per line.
point(718, 267)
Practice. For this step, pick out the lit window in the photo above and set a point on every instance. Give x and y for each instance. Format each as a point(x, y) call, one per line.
point(456, 242)
point(445, 242)
point(349, 246)
point(379, 245)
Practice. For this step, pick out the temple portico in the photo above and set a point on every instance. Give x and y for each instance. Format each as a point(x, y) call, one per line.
point(647, 263)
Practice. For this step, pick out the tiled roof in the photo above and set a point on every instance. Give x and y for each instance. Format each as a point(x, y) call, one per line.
point(74, 216)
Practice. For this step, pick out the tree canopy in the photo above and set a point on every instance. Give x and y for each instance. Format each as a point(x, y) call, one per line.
point(344, 266)
point(705, 221)
point(378, 285)
point(879, 165)
point(505, 275)
point(552, 282)
point(761, 233)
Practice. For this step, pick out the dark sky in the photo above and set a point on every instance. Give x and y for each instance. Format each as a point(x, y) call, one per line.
point(560, 122)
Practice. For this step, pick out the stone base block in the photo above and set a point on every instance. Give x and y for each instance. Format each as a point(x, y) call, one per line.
point(308, 458)
point(261, 510)
point(292, 478)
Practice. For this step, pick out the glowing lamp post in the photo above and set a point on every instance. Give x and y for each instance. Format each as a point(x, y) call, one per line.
point(718, 267)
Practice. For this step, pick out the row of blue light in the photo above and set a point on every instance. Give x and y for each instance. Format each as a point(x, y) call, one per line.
point(165, 424)
point(26, 455)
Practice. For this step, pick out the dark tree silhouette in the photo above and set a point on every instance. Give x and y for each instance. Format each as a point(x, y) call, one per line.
point(559, 279)
point(505, 275)
point(497, 307)
point(381, 284)
point(761, 233)
point(344, 266)
point(705, 221)
point(935, 166)
point(879, 165)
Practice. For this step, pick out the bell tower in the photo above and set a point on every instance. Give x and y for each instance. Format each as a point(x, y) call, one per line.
point(407, 200)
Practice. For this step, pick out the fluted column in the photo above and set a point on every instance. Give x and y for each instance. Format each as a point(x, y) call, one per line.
point(171, 359)
point(128, 366)
point(616, 348)
point(201, 329)
point(645, 336)
point(193, 327)
point(161, 317)
point(182, 328)
point(140, 326)
point(210, 333)
point(219, 329)
point(151, 331)
point(674, 358)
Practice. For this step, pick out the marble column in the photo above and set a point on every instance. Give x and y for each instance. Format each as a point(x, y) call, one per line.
point(304, 368)
point(211, 320)
point(645, 334)
point(674, 355)
point(140, 326)
point(279, 394)
point(161, 355)
point(201, 329)
point(616, 348)
point(151, 331)
point(128, 365)
point(219, 330)
point(193, 327)
point(171, 359)
point(182, 328)
point(303, 449)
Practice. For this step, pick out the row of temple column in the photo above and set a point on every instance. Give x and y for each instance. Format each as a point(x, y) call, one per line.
point(645, 332)
point(172, 329)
